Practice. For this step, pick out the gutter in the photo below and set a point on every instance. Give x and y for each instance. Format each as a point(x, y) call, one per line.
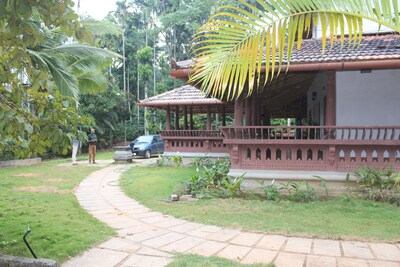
point(183, 74)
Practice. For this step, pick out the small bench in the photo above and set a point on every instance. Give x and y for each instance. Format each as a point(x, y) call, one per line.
point(122, 154)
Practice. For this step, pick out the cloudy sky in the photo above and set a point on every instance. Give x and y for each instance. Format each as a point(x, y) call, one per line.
point(97, 9)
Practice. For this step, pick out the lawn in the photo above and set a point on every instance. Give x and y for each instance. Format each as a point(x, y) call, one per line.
point(190, 260)
point(42, 198)
point(342, 217)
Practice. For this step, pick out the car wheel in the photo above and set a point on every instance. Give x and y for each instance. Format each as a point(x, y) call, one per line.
point(147, 154)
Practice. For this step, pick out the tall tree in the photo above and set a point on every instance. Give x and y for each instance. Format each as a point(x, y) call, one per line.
point(230, 47)
point(40, 76)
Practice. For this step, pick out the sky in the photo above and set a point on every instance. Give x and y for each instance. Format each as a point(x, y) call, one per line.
point(97, 9)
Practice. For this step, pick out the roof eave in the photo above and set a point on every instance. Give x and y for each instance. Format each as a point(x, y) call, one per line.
point(183, 74)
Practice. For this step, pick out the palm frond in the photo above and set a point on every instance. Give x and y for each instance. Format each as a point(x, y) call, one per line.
point(234, 46)
point(101, 27)
point(91, 81)
point(80, 50)
point(64, 81)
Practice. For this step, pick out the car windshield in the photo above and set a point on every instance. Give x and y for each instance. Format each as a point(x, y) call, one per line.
point(144, 139)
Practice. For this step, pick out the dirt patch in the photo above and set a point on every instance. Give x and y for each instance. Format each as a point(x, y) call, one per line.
point(42, 189)
point(28, 174)
point(54, 180)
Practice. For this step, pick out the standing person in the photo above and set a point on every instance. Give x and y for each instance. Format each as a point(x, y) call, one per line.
point(92, 141)
point(75, 145)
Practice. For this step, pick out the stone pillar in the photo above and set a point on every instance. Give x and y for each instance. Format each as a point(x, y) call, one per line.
point(191, 118)
point(177, 118)
point(208, 127)
point(168, 119)
point(238, 112)
point(185, 118)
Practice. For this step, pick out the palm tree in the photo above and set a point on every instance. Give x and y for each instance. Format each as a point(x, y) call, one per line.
point(74, 68)
point(240, 43)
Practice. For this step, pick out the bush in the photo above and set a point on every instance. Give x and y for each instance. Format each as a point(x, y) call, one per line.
point(271, 191)
point(214, 182)
point(202, 161)
point(379, 184)
point(175, 161)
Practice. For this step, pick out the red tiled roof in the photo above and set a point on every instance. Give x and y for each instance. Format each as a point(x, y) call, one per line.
point(377, 47)
point(182, 96)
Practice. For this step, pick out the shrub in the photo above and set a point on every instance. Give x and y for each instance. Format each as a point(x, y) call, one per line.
point(176, 159)
point(271, 191)
point(163, 161)
point(214, 182)
point(379, 184)
point(181, 189)
point(300, 192)
point(202, 161)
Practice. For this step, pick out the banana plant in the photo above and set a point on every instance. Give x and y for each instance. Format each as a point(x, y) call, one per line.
point(241, 42)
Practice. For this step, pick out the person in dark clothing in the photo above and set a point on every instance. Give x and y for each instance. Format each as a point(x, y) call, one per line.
point(92, 141)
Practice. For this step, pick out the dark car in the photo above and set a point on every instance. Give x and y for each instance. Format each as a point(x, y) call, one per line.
point(147, 145)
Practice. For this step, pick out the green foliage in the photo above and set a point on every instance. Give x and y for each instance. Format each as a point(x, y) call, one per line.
point(175, 160)
point(271, 191)
point(379, 184)
point(214, 182)
point(300, 192)
point(202, 161)
point(41, 76)
point(45, 123)
point(181, 189)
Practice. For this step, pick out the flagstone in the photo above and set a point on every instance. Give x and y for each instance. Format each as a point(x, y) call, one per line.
point(257, 255)
point(274, 242)
point(289, 260)
point(234, 252)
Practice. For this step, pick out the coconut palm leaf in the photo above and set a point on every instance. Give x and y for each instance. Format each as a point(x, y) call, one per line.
point(239, 43)
point(66, 83)
point(101, 27)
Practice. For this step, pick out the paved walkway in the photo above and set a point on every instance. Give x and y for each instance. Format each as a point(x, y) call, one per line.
point(148, 238)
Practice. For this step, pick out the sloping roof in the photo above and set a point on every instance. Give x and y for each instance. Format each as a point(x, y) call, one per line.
point(377, 47)
point(183, 96)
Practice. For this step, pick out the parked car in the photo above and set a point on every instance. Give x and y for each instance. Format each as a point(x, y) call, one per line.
point(147, 145)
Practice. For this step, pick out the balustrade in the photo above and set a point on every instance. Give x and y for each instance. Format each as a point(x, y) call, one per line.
point(322, 148)
point(193, 141)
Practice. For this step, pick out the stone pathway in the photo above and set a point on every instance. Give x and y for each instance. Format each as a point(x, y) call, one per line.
point(148, 238)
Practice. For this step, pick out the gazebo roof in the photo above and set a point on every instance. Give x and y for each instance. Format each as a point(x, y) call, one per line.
point(187, 95)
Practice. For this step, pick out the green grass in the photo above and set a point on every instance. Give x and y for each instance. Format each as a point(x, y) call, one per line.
point(60, 227)
point(335, 218)
point(190, 260)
